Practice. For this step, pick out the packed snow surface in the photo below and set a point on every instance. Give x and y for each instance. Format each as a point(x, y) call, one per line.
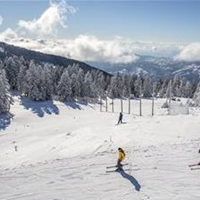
point(60, 151)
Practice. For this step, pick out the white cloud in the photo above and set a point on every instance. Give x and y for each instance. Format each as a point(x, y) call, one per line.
point(8, 35)
point(1, 20)
point(50, 21)
point(90, 48)
point(190, 52)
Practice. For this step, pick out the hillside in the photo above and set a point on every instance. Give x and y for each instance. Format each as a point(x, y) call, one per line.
point(57, 151)
point(10, 50)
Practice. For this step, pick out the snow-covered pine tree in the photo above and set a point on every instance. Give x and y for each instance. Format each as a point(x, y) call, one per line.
point(138, 86)
point(157, 88)
point(116, 86)
point(196, 97)
point(64, 90)
point(163, 91)
point(12, 66)
point(5, 97)
point(47, 79)
point(21, 79)
point(35, 85)
point(188, 92)
point(89, 87)
point(75, 85)
point(176, 86)
point(73, 69)
point(126, 80)
point(80, 77)
point(113, 89)
point(132, 84)
point(147, 87)
point(169, 91)
point(57, 72)
point(99, 84)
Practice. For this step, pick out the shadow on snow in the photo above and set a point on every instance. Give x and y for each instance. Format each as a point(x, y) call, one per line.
point(131, 179)
point(5, 120)
point(73, 105)
point(77, 104)
point(40, 108)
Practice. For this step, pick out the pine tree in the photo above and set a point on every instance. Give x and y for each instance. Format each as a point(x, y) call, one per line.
point(89, 86)
point(114, 90)
point(21, 79)
point(5, 97)
point(81, 77)
point(196, 96)
point(64, 89)
point(34, 81)
point(100, 84)
point(12, 65)
point(147, 87)
point(75, 85)
point(47, 79)
point(138, 86)
point(188, 90)
point(126, 80)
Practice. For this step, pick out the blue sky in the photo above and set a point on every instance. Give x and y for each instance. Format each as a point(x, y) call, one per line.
point(110, 31)
point(160, 21)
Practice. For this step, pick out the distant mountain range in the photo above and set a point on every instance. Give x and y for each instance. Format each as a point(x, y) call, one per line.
point(156, 67)
point(11, 50)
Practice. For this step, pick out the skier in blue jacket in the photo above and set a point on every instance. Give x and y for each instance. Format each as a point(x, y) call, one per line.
point(120, 118)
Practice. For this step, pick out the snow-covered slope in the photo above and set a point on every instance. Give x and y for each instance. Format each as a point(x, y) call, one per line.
point(57, 151)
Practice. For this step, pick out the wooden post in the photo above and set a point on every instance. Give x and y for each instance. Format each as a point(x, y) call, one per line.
point(112, 105)
point(140, 106)
point(106, 103)
point(153, 102)
point(121, 105)
point(140, 99)
point(129, 105)
point(170, 94)
point(153, 106)
point(100, 104)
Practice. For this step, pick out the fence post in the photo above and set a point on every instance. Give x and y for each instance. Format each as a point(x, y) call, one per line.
point(129, 106)
point(100, 104)
point(153, 102)
point(153, 106)
point(112, 105)
point(140, 106)
point(106, 102)
point(121, 105)
point(140, 99)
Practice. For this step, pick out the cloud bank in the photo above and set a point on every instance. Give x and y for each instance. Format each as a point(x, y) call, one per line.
point(190, 53)
point(92, 49)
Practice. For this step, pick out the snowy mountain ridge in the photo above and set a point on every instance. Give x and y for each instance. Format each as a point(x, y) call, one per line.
point(156, 67)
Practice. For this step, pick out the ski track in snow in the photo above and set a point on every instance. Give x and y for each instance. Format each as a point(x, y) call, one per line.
point(64, 157)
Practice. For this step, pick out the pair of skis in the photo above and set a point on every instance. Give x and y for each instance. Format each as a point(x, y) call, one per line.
point(192, 167)
point(109, 169)
point(195, 166)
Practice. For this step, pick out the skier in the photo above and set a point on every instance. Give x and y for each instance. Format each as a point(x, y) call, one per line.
point(120, 159)
point(120, 118)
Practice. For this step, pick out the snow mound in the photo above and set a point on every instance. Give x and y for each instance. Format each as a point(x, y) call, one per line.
point(178, 108)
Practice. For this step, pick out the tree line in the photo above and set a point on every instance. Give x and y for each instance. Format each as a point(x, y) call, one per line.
point(44, 81)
